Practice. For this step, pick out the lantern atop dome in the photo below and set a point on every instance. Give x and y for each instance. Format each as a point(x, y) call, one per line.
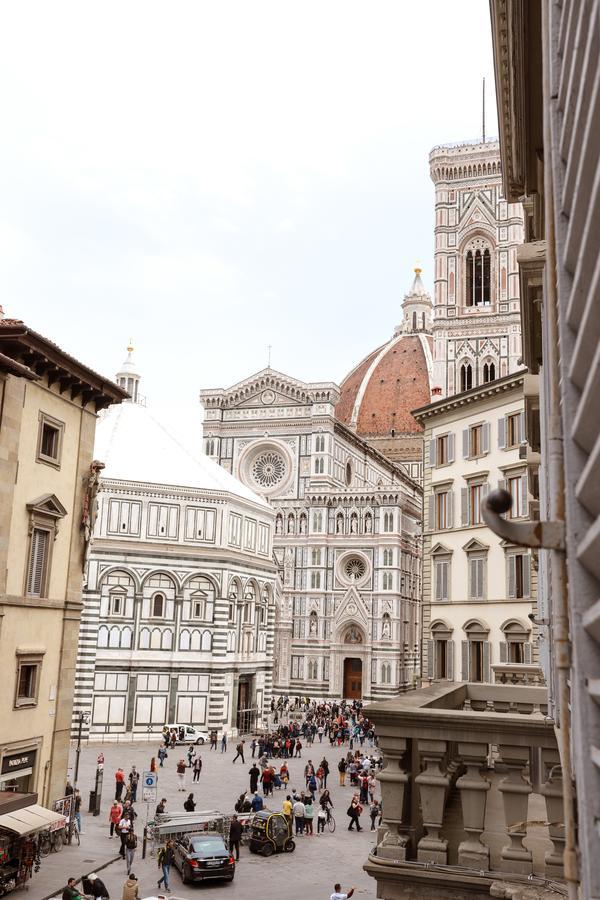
point(416, 308)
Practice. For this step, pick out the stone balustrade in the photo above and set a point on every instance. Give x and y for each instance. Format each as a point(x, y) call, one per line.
point(518, 673)
point(471, 791)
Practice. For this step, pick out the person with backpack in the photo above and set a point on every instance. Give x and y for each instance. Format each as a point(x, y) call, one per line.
point(181, 767)
point(95, 887)
point(342, 766)
point(240, 751)
point(130, 848)
point(162, 755)
point(190, 804)
point(164, 858)
point(354, 811)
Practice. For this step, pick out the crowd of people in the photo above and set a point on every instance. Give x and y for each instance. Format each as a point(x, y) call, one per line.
point(297, 725)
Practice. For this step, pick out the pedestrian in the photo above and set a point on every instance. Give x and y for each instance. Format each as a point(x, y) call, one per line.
point(124, 829)
point(173, 739)
point(197, 768)
point(235, 836)
point(68, 789)
point(321, 820)
point(254, 773)
point(267, 782)
point(152, 766)
point(298, 749)
point(95, 887)
point(134, 778)
point(223, 743)
point(308, 816)
point(190, 755)
point(298, 810)
point(115, 815)
point(131, 888)
point(364, 788)
point(372, 787)
point(213, 740)
point(190, 805)
point(338, 894)
point(240, 751)
point(181, 767)
point(287, 809)
point(164, 858)
point(325, 767)
point(119, 783)
point(160, 809)
point(354, 811)
point(325, 801)
point(71, 892)
point(162, 755)
point(130, 848)
point(253, 747)
point(257, 803)
point(374, 811)
point(77, 808)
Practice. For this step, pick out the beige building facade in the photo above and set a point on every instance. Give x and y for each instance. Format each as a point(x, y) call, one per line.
point(478, 590)
point(48, 406)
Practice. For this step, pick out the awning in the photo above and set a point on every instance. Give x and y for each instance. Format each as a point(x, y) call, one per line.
point(30, 819)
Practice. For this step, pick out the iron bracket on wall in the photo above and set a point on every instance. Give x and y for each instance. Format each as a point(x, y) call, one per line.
point(549, 535)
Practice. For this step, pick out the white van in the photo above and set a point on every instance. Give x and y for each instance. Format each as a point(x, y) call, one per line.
point(191, 734)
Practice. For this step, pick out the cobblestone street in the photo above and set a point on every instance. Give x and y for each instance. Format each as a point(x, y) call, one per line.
point(308, 873)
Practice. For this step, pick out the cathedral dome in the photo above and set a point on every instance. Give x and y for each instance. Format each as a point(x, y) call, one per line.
point(377, 396)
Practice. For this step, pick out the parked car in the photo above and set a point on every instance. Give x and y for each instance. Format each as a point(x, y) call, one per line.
point(191, 734)
point(200, 857)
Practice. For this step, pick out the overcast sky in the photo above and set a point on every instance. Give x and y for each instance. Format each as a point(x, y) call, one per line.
point(209, 178)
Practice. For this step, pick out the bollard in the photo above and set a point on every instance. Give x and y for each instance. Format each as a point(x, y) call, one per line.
point(144, 842)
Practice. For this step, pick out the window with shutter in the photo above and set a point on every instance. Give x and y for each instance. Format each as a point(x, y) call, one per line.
point(464, 506)
point(465, 443)
point(465, 660)
point(38, 563)
point(503, 651)
point(450, 660)
point(502, 433)
point(487, 669)
point(451, 448)
point(430, 659)
point(432, 455)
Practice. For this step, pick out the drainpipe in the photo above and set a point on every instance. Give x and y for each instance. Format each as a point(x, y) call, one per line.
point(45, 785)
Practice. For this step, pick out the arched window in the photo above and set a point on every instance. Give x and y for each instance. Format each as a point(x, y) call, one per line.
point(206, 640)
point(157, 608)
point(126, 636)
point(489, 372)
point(414, 321)
point(315, 580)
point(195, 639)
point(167, 640)
point(387, 581)
point(317, 521)
point(144, 639)
point(249, 600)
point(155, 639)
point(184, 640)
point(466, 377)
point(388, 521)
point(316, 557)
point(478, 268)
point(103, 636)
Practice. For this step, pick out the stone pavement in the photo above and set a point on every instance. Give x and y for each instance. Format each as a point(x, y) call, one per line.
point(308, 873)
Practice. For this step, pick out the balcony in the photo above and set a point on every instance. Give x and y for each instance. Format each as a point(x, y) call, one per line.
point(471, 791)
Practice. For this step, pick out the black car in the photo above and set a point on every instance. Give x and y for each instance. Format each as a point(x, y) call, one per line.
point(202, 856)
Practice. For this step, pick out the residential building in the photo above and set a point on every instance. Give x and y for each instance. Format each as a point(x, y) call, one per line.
point(48, 407)
point(478, 590)
point(347, 536)
point(179, 598)
point(476, 320)
point(547, 83)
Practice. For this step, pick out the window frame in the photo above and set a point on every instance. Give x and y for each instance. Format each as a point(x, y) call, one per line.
point(35, 660)
point(121, 594)
point(153, 598)
point(44, 419)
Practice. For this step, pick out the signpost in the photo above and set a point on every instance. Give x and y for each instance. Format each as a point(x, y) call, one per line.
point(149, 787)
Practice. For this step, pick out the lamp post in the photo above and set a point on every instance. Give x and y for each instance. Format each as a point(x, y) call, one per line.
point(81, 718)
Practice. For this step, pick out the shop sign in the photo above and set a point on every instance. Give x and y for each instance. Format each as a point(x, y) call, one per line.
point(16, 762)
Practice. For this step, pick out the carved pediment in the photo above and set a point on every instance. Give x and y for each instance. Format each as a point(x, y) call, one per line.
point(352, 608)
point(440, 550)
point(477, 212)
point(474, 545)
point(48, 505)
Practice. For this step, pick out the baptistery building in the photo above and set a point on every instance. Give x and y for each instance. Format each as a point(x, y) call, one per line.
point(179, 599)
point(347, 536)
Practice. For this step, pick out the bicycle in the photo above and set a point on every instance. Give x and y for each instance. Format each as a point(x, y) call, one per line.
point(51, 841)
point(330, 821)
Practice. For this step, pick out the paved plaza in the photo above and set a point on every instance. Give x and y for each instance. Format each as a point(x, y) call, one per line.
point(308, 873)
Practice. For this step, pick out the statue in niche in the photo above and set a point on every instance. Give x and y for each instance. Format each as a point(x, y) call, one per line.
point(302, 524)
point(291, 525)
point(353, 525)
point(339, 525)
point(278, 525)
point(313, 625)
point(353, 636)
point(386, 630)
point(288, 566)
point(368, 525)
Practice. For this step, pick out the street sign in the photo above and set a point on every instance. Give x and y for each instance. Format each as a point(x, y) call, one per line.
point(149, 786)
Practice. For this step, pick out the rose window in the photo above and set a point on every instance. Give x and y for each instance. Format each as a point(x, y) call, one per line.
point(268, 469)
point(355, 568)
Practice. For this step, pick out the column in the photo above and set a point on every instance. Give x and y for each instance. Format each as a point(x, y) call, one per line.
point(553, 794)
point(433, 786)
point(391, 844)
point(473, 788)
point(515, 791)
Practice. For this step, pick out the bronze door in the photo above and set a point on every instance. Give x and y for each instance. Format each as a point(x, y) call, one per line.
point(353, 679)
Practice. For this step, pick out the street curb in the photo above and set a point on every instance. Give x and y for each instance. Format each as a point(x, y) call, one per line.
point(97, 869)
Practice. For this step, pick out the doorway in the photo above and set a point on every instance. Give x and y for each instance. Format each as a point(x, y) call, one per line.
point(353, 679)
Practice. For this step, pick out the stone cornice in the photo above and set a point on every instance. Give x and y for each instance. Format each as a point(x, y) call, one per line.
point(493, 388)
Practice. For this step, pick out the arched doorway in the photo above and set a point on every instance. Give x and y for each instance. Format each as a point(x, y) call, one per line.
point(353, 678)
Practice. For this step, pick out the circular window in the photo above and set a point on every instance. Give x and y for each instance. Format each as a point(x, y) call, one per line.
point(355, 568)
point(268, 469)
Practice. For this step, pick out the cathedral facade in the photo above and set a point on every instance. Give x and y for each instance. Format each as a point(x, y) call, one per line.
point(476, 322)
point(347, 536)
point(179, 610)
